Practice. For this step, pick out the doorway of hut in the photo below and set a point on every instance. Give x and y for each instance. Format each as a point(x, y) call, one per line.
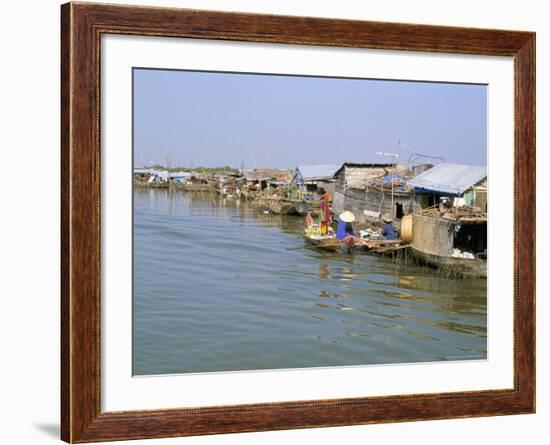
point(399, 210)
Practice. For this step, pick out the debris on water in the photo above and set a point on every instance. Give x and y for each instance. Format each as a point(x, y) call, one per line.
point(357, 334)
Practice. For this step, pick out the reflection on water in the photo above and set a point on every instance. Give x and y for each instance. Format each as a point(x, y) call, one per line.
point(222, 286)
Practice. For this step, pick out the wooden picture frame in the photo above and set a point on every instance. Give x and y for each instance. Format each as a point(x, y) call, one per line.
point(82, 25)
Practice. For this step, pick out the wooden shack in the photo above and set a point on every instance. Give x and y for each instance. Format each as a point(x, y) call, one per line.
point(365, 190)
point(311, 178)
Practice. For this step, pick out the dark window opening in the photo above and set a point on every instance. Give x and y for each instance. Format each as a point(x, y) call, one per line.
point(399, 210)
point(311, 188)
point(471, 238)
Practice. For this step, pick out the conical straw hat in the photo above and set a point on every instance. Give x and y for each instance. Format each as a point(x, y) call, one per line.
point(347, 216)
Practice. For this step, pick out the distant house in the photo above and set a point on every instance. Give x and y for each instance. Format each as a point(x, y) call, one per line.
point(282, 176)
point(158, 176)
point(262, 178)
point(180, 177)
point(199, 178)
point(228, 182)
point(142, 174)
point(258, 179)
point(467, 183)
point(142, 171)
point(371, 190)
point(310, 178)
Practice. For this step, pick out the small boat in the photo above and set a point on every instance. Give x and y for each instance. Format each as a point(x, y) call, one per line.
point(383, 245)
point(325, 242)
point(460, 267)
point(197, 187)
point(286, 207)
point(330, 243)
point(301, 208)
point(278, 206)
point(158, 185)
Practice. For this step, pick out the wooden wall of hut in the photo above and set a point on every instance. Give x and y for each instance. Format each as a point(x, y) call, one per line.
point(351, 191)
point(328, 186)
point(339, 192)
point(376, 201)
point(480, 199)
point(359, 177)
point(314, 186)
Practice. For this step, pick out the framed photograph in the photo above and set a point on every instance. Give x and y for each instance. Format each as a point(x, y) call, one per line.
point(274, 222)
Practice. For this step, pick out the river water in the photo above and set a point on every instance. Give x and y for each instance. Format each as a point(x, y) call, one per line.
point(220, 286)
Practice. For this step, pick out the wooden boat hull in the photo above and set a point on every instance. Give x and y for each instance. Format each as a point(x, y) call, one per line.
point(290, 209)
point(383, 247)
point(464, 267)
point(154, 185)
point(196, 187)
point(282, 207)
point(275, 207)
point(301, 208)
point(327, 244)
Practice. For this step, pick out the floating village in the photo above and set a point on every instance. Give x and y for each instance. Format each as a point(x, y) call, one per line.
point(434, 215)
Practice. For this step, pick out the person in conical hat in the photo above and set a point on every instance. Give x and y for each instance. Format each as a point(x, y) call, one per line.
point(388, 232)
point(345, 227)
point(347, 216)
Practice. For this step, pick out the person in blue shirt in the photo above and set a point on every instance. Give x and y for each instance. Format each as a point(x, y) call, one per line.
point(345, 227)
point(388, 232)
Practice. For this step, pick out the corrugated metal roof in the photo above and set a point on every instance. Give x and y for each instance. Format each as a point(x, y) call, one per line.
point(180, 174)
point(160, 173)
point(258, 176)
point(310, 172)
point(143, 170)
point(454, 179)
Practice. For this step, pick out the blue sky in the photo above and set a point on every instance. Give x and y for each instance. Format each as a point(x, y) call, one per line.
point(213, 119)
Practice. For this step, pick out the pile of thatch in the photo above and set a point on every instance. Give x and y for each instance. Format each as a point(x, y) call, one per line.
point(458, 214)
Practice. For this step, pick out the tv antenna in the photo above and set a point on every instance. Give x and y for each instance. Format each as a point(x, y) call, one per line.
point(394, 157)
